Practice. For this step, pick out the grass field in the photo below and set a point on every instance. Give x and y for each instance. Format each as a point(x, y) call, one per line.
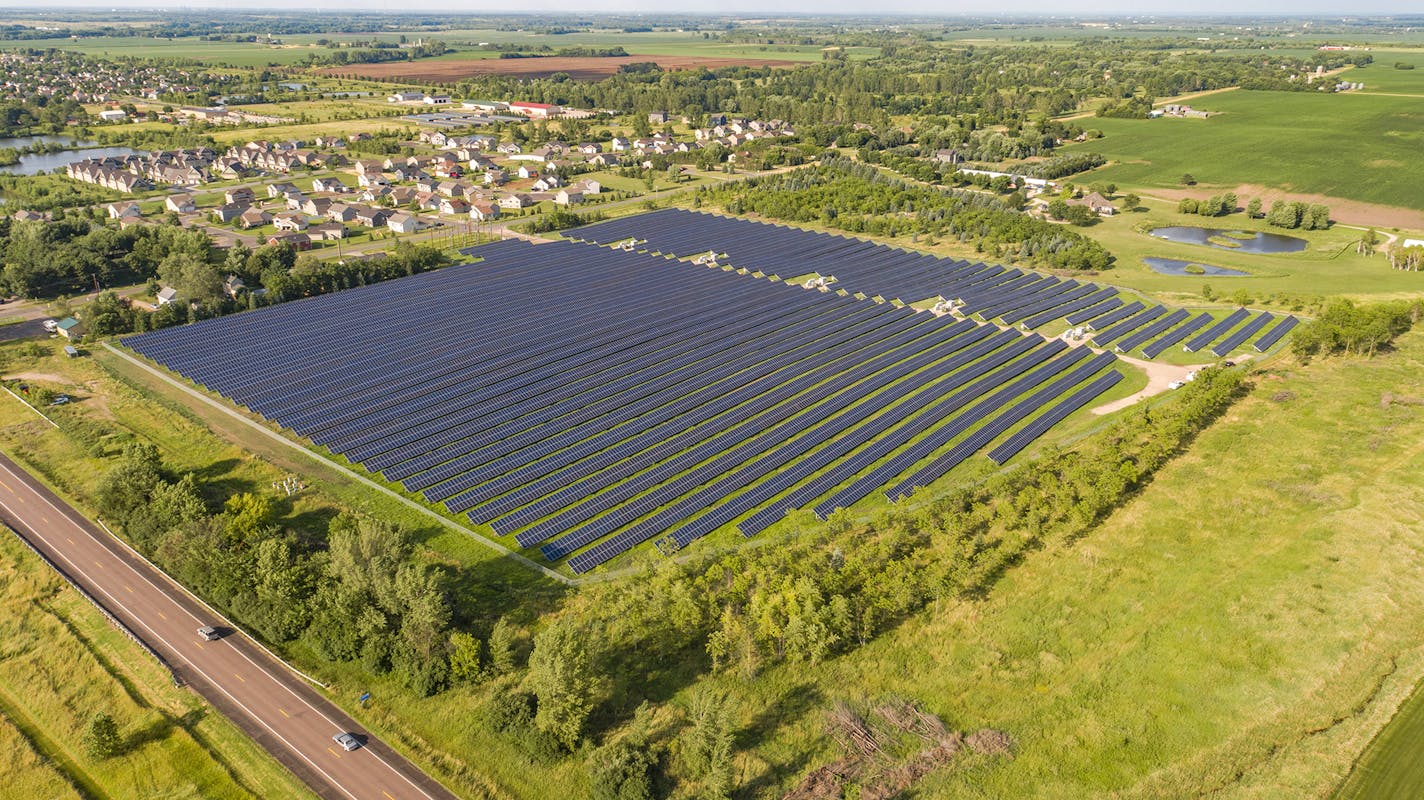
point(60, 661)
point(1242, 628)
point(1328, 266)
point(1301, 142)
point(1382, 77)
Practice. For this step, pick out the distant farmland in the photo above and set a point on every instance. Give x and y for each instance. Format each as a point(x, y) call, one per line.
point(582, 68)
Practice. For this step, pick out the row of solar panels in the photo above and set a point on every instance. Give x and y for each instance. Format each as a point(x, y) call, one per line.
point(589, 399)
point(986, 291)
point(860, 267)
point(1126, 328)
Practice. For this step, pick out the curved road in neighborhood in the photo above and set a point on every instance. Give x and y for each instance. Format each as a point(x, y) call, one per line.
point(263, 696)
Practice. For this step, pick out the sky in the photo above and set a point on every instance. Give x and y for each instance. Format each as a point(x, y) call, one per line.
point(1077, 8)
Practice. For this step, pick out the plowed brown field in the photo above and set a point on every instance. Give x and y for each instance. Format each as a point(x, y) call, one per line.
point(583, 68)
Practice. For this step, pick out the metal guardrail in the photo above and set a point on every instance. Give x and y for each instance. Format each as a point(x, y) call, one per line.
point(115, 621)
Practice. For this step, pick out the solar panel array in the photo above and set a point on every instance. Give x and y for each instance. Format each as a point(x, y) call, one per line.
point(585, 400)
point(859, 267)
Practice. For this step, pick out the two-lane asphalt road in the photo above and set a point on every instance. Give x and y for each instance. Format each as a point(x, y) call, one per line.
point(274, 706)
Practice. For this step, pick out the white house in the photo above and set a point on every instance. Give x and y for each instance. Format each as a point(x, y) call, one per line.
point(404, 223)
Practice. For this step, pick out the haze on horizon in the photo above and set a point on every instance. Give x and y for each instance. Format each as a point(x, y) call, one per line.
point(1116, 8)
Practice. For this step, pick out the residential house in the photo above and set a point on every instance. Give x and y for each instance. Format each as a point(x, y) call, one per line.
point(317, 206)
point(327, 231)
point(291, 221)
point(275, 190)
point(618, 144)
point(527, 172)
point(124, 211)
point(454, 205)
point(1097, 203)
point(516, 201)
point(253, 218)
point(167, 295)
point(547, 183)
point(26, 216)
point(180, 204)
point(605, 160)
point(483, 211)
point(590, 186)
point(298, 241)
point(404, 223)
point(233, 286)
point(372, 217)
point(241, 194)
point(229, 211)
point(568, 197)
point(333, 185)
point(340, 212)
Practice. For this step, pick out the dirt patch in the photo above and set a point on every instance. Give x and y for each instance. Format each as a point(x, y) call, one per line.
point(579, 68)
point(45, 377)
point(1350, 212)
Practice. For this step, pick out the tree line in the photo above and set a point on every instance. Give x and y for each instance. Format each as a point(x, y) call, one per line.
point(857, 198)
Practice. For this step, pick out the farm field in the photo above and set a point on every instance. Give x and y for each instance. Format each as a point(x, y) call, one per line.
point(445, 70)
point(466, 40)
point(242, 54)
point(1243, 643)
point(1382, 77)
point(62, 662)
point(1299, 143)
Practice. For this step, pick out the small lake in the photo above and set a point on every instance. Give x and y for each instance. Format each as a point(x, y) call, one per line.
point(31, 163)
point(1247, 242)
point(1175, 266)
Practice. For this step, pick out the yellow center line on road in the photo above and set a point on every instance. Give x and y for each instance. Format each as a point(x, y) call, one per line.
point(128, 588)
point(44, 519)
point(333, 752)
point(97, 564)
point(284, 713)
point(163, 615)
point(71, 541)
point(239, 677)
point(388, 794)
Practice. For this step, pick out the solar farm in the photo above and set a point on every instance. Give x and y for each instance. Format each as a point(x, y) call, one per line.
point(584, 400)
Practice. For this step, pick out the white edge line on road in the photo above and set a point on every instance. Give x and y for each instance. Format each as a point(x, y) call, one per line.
point(292, 748)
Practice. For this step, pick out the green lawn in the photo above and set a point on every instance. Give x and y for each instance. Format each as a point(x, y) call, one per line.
point(1296, 141)
point(1328, 266)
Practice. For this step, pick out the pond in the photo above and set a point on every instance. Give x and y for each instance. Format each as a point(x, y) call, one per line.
point(1175, 266)
point(1244, 242)
point(31, 163)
